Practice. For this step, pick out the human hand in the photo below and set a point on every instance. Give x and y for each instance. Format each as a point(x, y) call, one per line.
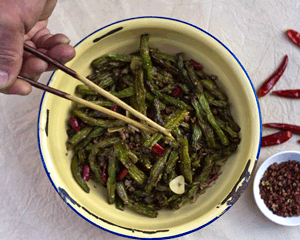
point(25, 21)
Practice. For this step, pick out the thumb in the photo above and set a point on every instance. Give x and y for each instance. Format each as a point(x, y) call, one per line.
point(11, 53)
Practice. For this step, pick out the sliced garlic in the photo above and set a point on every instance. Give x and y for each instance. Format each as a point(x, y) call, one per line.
point(177, 185)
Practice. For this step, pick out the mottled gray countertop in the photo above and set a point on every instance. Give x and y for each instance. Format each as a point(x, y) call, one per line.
point(254, 30)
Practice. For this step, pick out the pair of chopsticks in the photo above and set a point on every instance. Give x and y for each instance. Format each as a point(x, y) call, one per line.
point(154, 126)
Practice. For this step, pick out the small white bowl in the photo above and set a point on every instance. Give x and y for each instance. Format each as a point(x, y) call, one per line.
point(279, 158)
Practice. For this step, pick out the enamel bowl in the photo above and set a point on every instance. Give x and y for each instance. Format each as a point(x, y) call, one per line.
point(172, 36)
point(276, 158)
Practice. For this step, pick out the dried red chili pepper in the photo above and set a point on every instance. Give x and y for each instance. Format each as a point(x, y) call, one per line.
point(114, 108)
point(276, 138)
point(158, 149)
point(283, 126)
point(273, 79)
point(294, 36)
point(176, 92)
point(215, 177)
point(290, 93)
point(196, 64)
point(123, 174)
point(86, 173)
point(298, 141)
point(104, 175)
point(74, 123)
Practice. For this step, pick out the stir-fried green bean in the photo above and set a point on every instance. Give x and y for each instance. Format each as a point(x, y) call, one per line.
point(139, 169)
point(77, 175)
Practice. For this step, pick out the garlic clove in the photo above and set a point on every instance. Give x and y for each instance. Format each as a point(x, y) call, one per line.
point(177, 185)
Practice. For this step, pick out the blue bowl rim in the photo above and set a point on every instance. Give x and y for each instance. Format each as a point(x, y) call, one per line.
point(135, 18)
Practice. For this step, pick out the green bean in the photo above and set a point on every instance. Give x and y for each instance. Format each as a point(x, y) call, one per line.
point(81, 156)
point(162, 76)
point(208, 165)
point(185, 161)
point(184, 88)
point(226, 128)
point(95, 168)
point(150, 97)
point(168, 89)
point(77, 175)
point(212, 120)
point(197, 87)
point(206, 128)
point(225, 114)
point(97, 132)
point(174, 156)
point(173, 123)
point(196, 136)
point(167, 98)
point(111, 57)
point(139, 208)
point(165, 64)
point(121, 190)
point(86, 90)
point(127, 92)
point(213, 88)
point(144, 51)
point(111, 183)
point(157, 170)
point(199, 182)
point(196, 163)
point(157, 107)
point(186, 126)
point(144, 160)
point(128, 80)
point(218, 103)
point(177, 133)
point(201, 74)
point(104, 143)
point(140, 91)
point(181, 68)
point(164, 56)
point(102, 103)
point(171, 175)
point(138, 175)
point(97, 122)
point(228, 151)
point(132, 156)
point(80, 135)
point(204, 104)
point(209, 97)
point(119, 203)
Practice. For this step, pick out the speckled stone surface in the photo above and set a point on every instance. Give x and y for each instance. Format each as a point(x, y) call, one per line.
point(253, 30)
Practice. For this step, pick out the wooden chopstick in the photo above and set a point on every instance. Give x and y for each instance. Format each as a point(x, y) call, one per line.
point(88, 104)
point(98, 89)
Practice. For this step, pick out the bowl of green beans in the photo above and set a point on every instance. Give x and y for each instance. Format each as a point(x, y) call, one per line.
point(137, 184)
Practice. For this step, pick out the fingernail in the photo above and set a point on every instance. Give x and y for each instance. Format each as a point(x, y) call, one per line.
point(3, 78)
point(65, 41)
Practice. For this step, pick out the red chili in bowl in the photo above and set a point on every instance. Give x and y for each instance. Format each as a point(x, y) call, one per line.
point(280, 188)
point(196, 64)
point(74, 123)
point(86, 173)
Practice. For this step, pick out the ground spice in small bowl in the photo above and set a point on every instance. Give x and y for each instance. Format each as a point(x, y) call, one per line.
point(280, 188)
